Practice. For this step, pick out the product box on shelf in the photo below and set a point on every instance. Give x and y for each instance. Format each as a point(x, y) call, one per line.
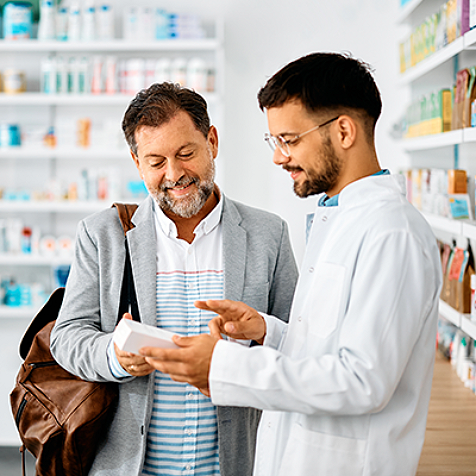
point(430, 114)
point(439, 29)
point(457, 271)
point(440, 192)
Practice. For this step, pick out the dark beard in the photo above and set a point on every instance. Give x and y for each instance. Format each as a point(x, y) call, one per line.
point(320, 183)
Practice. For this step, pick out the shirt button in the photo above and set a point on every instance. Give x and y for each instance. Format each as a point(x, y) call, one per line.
point(188, 467)
point(311, 269)
point(189, 395)
point(188, 431)
point(269, 424)
point(324, 218)
point(190, 285)
point(299, 318)
point(192, 322)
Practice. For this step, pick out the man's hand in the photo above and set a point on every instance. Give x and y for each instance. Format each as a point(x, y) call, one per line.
point(190, 363)
point(136, 365)
point(235, 319)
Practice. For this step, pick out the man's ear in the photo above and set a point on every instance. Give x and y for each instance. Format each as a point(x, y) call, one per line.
point(346, 131)
point(212, 139)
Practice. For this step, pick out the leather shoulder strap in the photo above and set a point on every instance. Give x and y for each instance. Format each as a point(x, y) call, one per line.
point(128, 302)
point(125, 211)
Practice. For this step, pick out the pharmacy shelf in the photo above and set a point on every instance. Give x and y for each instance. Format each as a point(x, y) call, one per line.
point(455, 227)
point(450, 314)
point(64, 153)
point(41, 99)
point(20, 312)
point(462, 321)
point(407, 9)
point(30, 46)
point(468, 326)
point(431, 62)
point(434, 141)
point(445, 139)
point(470, 40)
point(33, 260)
point(54, 206)
point(466, 42)
point(464, 228)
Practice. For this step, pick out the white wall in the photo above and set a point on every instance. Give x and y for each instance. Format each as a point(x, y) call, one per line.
point(261, 36)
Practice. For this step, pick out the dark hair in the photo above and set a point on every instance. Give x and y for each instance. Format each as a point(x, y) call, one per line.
point(325, 82)
point(158, 104)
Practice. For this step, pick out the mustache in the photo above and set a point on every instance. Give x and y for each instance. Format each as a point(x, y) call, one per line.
point(183, 182)
point(290, 168)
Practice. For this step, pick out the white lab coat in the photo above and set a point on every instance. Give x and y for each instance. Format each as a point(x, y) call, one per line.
point(346, 385)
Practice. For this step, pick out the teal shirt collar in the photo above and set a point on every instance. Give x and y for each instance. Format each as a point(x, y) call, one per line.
point(326, 201)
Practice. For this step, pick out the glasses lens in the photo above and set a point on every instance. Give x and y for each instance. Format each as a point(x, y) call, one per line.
point(283, 146)
point(277, 142)
point(271, 141)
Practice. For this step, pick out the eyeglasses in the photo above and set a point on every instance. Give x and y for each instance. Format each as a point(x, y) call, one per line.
point(284, 144)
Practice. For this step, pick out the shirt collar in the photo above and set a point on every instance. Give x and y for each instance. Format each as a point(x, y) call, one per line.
point(326, 201)
point(211, 221)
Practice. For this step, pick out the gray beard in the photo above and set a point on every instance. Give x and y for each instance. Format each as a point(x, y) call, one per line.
point(186, 207)
point(189, 206)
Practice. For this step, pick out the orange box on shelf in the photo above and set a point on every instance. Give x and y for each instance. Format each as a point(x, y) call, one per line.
point(457, 181)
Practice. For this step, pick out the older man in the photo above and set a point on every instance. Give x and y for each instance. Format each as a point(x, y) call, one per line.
point(189, 242)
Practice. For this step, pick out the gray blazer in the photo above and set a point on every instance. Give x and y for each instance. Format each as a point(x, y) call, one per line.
point(260, 270)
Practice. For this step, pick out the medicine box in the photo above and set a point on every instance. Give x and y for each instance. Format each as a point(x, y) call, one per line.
point(457, 181)
point(130, 336)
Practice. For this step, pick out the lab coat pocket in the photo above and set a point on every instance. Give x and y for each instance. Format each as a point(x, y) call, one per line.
point(310, 452)
point(323, 302)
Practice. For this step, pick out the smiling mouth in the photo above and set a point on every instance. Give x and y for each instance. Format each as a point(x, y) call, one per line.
point(178, 186)
point(183, 187)
point(294, 171)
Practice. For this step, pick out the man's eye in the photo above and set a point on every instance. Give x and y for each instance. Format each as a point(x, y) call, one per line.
point(157, 165)
point(186, 155)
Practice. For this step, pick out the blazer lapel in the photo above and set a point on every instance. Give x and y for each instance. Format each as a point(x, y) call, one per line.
point(234, 249)
point(143, 251)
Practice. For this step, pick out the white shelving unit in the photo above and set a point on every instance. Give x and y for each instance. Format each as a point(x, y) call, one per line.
point(458, 228)
point(425, 71)
point(39, 99)
point(204, 44)
point(65, 153)
point(24, 162)
point(32, 206)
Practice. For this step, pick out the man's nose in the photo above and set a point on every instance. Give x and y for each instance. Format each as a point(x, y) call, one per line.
point(279, 158)
point(174, 170)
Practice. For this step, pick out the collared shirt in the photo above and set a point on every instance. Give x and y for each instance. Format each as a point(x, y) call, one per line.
point(183, 436)
point(326, 201)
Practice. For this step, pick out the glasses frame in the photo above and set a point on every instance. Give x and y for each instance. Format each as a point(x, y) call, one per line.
point(283, 144)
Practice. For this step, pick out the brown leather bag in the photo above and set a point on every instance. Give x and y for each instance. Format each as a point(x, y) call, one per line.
point(61, 418)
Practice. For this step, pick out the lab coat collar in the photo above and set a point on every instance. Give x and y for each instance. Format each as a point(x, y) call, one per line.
point(369, 189)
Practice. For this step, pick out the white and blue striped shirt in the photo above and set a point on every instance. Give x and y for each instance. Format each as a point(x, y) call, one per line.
point(183, 436)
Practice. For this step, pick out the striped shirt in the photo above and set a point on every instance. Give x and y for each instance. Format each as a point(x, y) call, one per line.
point(182, 436)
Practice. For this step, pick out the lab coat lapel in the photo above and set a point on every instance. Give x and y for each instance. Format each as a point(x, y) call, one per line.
point(234, 249)
point(142, 248)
